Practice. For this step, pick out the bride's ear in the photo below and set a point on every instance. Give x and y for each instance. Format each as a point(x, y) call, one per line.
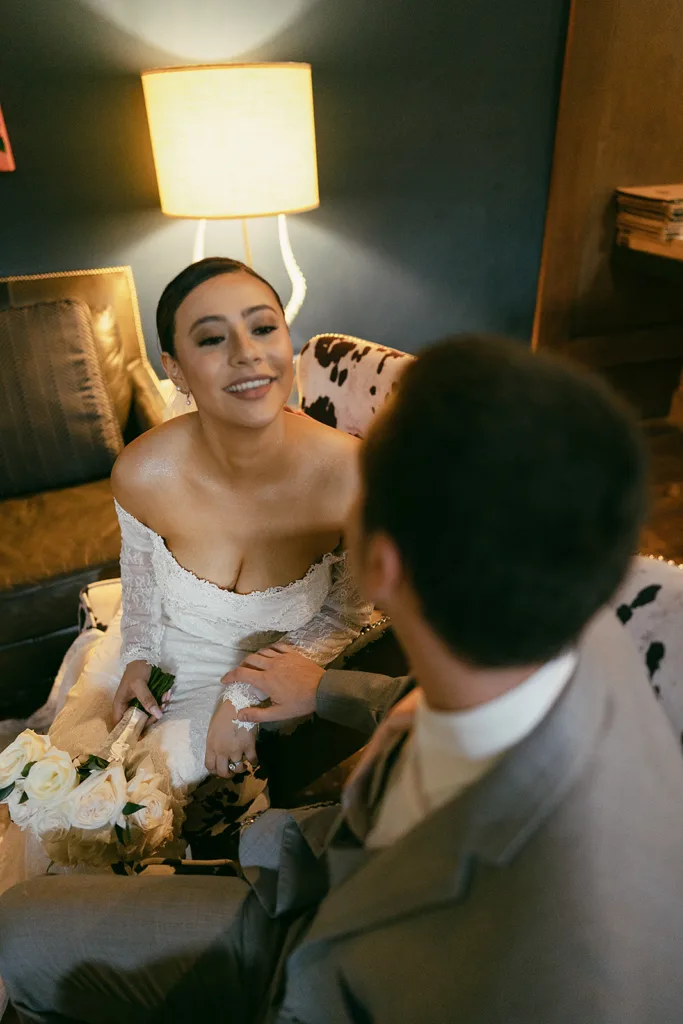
point(174, 372)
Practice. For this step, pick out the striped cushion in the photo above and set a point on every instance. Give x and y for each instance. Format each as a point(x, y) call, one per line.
point(58, 426)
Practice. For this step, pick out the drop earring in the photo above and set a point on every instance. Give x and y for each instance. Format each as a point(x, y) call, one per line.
point(188, 396)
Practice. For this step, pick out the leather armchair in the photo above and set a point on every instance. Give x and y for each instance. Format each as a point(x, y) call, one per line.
point(56, 541)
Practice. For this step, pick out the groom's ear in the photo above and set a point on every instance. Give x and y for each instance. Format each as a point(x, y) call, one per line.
point(383, 573)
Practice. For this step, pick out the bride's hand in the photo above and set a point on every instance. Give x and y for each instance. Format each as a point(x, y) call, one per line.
point(134, 685)
point(227, 743)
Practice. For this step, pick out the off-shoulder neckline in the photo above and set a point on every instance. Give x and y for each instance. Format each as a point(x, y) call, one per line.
point(330, 558)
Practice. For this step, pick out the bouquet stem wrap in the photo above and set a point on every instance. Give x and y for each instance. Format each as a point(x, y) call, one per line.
point(123, 737)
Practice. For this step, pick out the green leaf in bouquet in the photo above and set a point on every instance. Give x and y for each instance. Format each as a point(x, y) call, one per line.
point(92, 763)
point(6, 790)
point(24, 798)
point(159, 683)
point(123, 834)
point(27, 769)
point(131, 808)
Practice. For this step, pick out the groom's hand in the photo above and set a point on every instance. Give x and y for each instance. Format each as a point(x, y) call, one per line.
point(288, 678)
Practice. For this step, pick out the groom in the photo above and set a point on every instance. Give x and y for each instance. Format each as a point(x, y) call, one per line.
point(516, 853)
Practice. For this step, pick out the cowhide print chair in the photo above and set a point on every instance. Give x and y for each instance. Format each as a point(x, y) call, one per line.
point(650, 605)
point(344, 381)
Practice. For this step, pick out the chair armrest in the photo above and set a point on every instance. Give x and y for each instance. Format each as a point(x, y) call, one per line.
point(147, 396)
point(98, 604)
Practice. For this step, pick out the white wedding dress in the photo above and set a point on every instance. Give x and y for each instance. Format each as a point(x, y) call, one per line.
point(198, 632)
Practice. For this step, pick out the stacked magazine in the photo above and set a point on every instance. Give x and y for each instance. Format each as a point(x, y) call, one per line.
point(649, 214)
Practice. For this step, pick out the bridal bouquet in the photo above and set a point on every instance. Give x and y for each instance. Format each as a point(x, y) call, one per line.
point(88, 810)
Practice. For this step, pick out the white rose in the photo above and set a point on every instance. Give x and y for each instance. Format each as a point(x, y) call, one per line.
point(151, 840)
point(51, 821)
point(20, 813)
point(51, 779)
point(27, 747)
point(151, 826)
point(98, 801)
point(144, 789)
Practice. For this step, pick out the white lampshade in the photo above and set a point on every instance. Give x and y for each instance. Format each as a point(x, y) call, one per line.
point(233, 140)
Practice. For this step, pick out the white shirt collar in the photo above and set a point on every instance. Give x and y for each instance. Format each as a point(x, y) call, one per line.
point(449, 751)
point(490, 729)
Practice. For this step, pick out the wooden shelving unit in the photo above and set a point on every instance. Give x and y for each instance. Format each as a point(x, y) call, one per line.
point(672, 250)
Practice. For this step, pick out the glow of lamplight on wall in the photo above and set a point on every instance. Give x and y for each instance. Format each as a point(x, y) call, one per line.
point(202, 30)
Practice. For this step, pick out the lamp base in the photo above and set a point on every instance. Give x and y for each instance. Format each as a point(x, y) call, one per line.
point(298, 280)
point(198, 251)
point(293, 269)
point(246, 242)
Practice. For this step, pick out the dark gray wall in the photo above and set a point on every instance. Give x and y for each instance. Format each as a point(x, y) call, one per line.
point(435, 124)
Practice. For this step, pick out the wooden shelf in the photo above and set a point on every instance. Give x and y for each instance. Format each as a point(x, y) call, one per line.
point(669, 250)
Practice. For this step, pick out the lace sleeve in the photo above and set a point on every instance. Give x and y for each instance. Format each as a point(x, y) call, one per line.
point(323, 638)
point(140, 595)
point(338, 622)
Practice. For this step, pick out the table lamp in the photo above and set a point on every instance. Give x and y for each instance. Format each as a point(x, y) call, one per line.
point(235, 141)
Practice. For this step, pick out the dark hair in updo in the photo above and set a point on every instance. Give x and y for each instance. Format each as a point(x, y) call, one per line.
point(185, 282)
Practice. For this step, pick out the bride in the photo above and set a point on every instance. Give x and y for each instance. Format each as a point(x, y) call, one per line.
point(231, 520)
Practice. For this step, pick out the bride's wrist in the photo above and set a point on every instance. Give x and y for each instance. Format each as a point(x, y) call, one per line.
point(137, 669)
point(239, 696)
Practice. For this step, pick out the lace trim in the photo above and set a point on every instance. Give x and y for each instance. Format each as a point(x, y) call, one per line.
point(139, 652)
point(331, 558)
point(242, 695)
point(341, 618)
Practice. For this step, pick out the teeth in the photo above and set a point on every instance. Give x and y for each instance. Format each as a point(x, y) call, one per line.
point(249, 385)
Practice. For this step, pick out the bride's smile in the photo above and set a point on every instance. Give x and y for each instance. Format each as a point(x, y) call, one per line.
point(250, 388)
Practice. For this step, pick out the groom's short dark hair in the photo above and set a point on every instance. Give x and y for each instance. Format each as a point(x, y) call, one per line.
point(514, 487)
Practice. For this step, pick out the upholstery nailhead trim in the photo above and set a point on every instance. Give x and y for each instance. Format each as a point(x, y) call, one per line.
point(661, 558)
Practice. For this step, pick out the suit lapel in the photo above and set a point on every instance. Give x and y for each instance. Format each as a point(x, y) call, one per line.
point(491, 821)
point(362, 797)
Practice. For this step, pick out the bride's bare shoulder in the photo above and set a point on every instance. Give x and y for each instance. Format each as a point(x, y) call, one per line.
point(331, 456)
point(143, 469)
point(331, 445)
